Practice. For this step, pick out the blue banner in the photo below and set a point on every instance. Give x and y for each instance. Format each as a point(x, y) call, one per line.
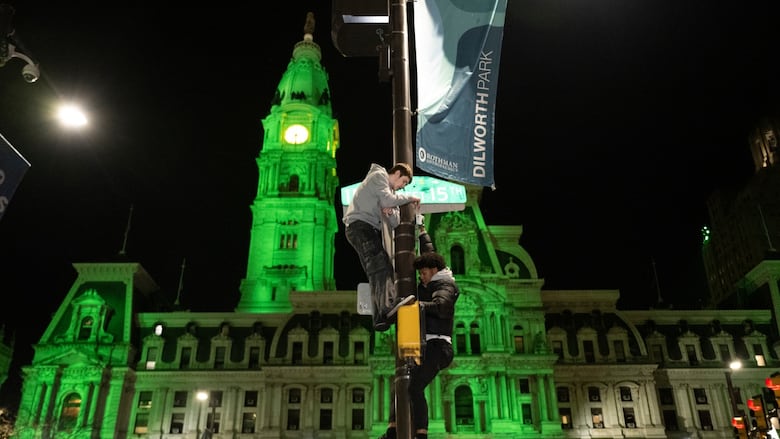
point(12, 168)
point(458, 51)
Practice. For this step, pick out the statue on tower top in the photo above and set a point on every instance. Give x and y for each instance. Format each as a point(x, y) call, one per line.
point(308, 28)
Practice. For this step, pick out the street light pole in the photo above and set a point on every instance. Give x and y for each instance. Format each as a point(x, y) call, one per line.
point(354, 39)
point(404, 233)
point(732, 400)
point(213, 415)
point(735, 413)
point(201, 396)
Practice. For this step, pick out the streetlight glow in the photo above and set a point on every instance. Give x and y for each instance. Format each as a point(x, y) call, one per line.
point(734, 365)
point(71, 116)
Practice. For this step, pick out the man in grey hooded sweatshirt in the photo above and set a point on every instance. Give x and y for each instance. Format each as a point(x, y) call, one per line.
point(375, 201)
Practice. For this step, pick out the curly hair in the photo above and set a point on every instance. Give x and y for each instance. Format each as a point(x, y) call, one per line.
point(429, 260)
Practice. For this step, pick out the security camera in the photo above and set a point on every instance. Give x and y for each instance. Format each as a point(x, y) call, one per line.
point(31, 73)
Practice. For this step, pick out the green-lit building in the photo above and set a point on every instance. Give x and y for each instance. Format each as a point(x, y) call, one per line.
point(296, 360)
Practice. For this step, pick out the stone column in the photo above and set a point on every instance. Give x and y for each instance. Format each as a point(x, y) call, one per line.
point(503, 390)
point(544, 413)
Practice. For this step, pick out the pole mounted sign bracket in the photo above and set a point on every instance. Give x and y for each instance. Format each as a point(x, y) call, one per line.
point(359, 27)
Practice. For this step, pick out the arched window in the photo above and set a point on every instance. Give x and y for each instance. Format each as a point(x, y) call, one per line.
point(86, 328)
point(457, 260)
point(517, 335)
point(464, 409)
point(476, 346)
point(294, 183)
point(71, 407)
point(460, 338)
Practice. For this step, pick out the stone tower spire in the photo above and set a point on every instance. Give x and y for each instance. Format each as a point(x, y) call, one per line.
point(294, 219)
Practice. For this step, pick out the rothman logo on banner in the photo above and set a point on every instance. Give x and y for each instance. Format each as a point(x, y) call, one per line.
point(12, 169)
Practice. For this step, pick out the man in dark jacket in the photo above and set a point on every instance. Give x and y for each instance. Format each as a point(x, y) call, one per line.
point(437, 293)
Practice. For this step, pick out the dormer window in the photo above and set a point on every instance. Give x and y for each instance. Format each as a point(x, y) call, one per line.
point(90, 314)
point(85, 331)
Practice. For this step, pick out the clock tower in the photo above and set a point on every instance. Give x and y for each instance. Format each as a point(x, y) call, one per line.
point(294, 221)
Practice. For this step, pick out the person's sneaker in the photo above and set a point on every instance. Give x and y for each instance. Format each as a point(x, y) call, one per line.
point(387, 317)
point(404, 301)
point(382, 325)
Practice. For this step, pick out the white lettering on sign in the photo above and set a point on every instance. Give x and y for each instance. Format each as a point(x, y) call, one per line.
point(428, 189)
point(481, 116)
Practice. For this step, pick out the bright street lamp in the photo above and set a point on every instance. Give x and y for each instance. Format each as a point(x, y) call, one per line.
point(71, 116)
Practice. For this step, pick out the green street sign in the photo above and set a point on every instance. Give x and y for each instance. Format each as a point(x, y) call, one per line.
point(437, 195)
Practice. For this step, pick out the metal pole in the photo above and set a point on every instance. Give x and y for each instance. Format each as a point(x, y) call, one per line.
point(734, 410)
point(197, 424)
point(730, 388)
point(213, 416)
point(404, 233)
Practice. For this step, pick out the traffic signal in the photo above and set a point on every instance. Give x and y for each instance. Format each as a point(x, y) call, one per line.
point(756, 405)
point(771, 393)
point(739, 425)
point(773, 382)
point(770, 401)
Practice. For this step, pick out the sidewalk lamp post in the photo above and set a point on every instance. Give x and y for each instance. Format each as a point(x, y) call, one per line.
point(201, 396)
point(734, 365)
point(737, 417)
point(210, 430)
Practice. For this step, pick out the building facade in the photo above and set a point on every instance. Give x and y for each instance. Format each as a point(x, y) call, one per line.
point(745, 224)
point(296, 360)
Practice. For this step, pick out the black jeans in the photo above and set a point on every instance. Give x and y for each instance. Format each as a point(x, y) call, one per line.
point(438, 355)
point(367, 242)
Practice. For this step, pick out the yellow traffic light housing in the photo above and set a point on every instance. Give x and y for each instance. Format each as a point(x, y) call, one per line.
point(756, 405)
point(409, 336)
point(773, 382)
point(738, 422)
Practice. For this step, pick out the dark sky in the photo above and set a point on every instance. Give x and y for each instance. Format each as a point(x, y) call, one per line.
point(615, 120)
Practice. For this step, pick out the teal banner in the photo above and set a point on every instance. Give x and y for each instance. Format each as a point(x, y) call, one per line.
point(457, 52)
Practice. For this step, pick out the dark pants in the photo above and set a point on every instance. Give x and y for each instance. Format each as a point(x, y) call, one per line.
point(438, 355)
point(367, 242)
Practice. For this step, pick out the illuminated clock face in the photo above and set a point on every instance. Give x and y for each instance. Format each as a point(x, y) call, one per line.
point(296, 134)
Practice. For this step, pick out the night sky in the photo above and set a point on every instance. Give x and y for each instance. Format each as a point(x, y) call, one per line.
point(615, 120)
